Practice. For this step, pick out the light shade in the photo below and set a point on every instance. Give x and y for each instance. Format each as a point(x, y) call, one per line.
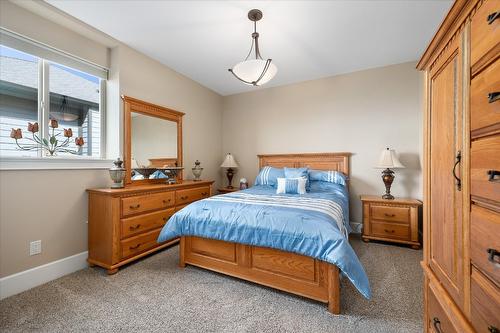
point(229, 162)
point(389, 160)
point(251, 70)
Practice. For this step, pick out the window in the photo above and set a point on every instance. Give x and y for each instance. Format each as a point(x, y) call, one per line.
point(44, 87)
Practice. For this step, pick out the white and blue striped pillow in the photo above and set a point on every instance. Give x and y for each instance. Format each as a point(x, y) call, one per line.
point(296, 173)
point(291, 185)
point(330, 176)
point(268, 176)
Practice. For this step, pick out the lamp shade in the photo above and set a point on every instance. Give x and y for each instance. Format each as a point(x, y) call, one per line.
point(229, 162)
point(251, 70)
point(389, 160)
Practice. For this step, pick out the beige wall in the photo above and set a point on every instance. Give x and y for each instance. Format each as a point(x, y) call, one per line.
point(51, 205)
point(360, 112)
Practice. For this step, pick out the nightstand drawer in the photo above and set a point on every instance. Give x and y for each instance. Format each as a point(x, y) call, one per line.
point(392, 230)
point(390, 214)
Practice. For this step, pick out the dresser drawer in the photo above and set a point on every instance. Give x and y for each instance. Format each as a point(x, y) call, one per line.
point(390, 214)
point(137, 244)
point(485, 97)
point(392, 230)
point(485, 164)
point(485, 32)
point(186, 196)
point(139, 224)
point(485, 241)
point(485, 303)
point(143, 203)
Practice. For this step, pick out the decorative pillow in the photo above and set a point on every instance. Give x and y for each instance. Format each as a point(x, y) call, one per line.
point(268, 176)
point(330, 176)
point(291, 185)
point(298, 173)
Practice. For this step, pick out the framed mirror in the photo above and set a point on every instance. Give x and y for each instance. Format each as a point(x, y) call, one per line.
point(152, 143)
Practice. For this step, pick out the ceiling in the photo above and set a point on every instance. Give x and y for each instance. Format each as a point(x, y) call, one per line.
point(306, 39)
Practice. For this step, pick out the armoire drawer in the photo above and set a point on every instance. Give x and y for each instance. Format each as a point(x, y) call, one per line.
point(143, 203)
point(139, 224)
point(485, 303)
point(485, 97)
point(390, 214)
point(137, 244)
point(438, 319)
point(190, 195)
point(485, 168)
point(485, 29)
point(485, 241)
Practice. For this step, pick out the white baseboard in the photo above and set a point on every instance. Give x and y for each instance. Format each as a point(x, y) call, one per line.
point(19, 282)
point(357, 227)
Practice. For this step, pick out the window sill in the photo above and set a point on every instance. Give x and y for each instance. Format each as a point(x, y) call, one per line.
point(54, 163)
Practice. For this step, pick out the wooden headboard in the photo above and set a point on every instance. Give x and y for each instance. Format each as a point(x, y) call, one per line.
point(318, 161)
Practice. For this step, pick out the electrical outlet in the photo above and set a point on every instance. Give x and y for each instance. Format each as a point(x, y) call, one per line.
point(35, 247)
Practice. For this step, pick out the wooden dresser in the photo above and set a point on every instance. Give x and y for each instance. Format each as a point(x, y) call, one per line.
point(125, 223)
point(462, 171)
point(391, 220)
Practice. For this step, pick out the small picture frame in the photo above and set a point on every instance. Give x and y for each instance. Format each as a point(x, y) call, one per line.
point(243, 184)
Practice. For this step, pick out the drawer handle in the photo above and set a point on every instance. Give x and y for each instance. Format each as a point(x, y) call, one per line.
point(457, 162)
point(134, 247)
point(390, 215)
point(493, 97)
point(492, 17)
point(204, 193)
point(437, 324)
point(166, 201)
point(135, 206)
point(389, 231)
point(184, 198)
point(493, 329)
point(493, 174)
point(492, 253)
point(134, 227)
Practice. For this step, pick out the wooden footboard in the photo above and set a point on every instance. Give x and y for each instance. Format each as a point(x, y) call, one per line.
point(293, 273)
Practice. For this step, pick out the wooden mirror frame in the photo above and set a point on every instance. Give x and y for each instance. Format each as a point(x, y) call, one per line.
point(134, 105)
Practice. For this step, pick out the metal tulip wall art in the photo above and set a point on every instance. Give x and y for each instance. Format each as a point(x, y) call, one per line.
point(52, 144)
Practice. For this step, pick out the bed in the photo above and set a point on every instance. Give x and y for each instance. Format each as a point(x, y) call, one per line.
point(269, 239)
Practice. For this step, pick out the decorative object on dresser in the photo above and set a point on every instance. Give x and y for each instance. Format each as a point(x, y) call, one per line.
point(461, 146)
point(387, 161)
point(223, 190)
point(392, 221)
point(197, 170)
point(117, 173)
point(243, 184)
point(256, 71)
point(230, 164)
point(124, 224)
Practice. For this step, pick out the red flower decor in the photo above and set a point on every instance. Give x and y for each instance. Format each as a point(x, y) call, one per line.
point(68, 133)
point(33, 128)
point(79, 141)
point(53, 123)
point(16, 134)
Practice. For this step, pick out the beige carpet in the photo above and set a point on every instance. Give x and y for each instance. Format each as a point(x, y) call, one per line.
point(153, 295)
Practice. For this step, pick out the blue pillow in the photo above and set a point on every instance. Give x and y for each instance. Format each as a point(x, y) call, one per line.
point(298, 173)
point(291, 186)
point(330, 176)
point(268, 176)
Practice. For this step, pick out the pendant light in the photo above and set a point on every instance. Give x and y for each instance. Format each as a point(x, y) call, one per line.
point(258, 71)
point(62, 114)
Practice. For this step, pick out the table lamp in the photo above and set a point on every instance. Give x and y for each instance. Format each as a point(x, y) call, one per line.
point(229, 163)
point(387, 161)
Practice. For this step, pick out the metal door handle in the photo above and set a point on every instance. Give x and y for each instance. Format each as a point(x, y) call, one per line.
point(493, 97)
point(135, 206)
point(437, 324)
point(492, 17)
point(390, 215)
point(492, 253)
point(493, 329)
point(134, 247)
point(134, 227)
point(389, 231)
point(457, 162)
point(492, 174)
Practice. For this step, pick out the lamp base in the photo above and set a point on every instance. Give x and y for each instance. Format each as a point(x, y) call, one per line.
point(388, 178)
point(230, 174)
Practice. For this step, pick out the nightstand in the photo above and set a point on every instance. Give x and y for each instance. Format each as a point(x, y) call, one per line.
point(391, 220)
point(224, 190)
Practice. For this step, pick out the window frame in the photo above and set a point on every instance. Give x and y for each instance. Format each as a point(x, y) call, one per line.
point(42, 162)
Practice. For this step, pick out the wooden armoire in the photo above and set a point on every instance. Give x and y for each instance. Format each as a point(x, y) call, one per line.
point(462, 171)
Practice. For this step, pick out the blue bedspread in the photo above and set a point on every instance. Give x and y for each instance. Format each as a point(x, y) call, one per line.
point(315, 224)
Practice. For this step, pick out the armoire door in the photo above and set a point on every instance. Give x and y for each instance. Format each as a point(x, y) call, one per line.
point(444, 148)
